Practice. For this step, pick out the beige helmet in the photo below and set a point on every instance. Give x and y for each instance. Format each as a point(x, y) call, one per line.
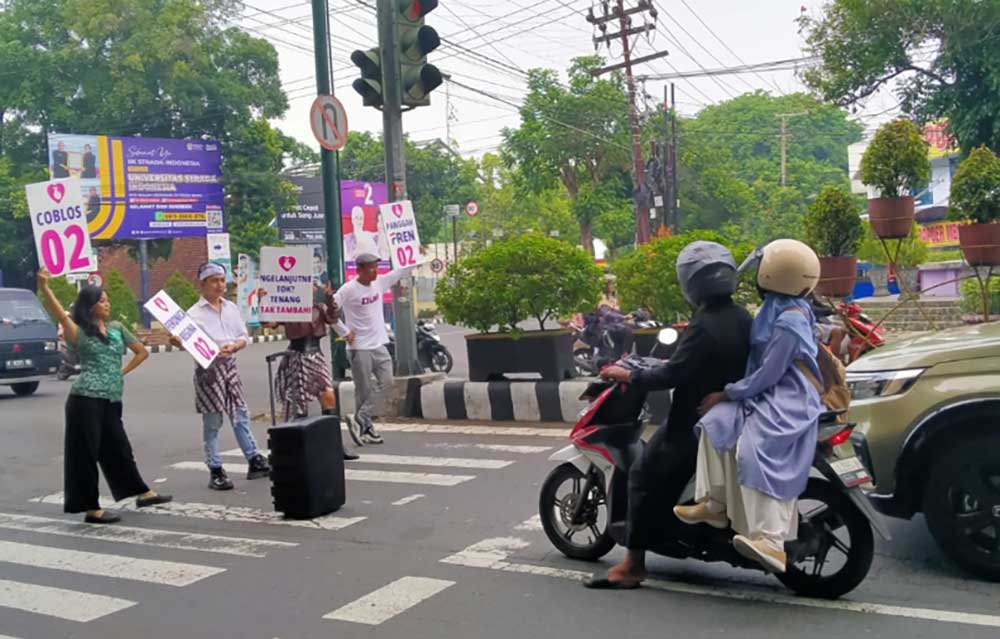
point(788, 267)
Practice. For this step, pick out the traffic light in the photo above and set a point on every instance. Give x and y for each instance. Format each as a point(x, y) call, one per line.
point(416, 40)
point(369, 85)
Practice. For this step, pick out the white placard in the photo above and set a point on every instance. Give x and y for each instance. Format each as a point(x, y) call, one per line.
point(400, 226)
point(174, 319)
point(218, 252)
point(59, 222)
point(287, 280)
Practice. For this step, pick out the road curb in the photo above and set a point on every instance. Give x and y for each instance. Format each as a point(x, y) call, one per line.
point(168, 348)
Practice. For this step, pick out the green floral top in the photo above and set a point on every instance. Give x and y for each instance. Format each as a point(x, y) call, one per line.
point(101, 363)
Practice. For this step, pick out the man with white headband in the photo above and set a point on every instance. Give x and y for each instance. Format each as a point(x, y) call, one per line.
point(218, 389)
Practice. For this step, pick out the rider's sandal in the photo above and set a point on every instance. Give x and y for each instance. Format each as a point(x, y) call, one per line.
point(595, 582)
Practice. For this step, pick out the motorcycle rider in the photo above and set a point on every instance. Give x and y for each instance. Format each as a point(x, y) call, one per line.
point(711, 353)
point(758, 436)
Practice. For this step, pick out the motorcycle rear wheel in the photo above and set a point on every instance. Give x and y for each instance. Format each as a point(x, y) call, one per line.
point(555, 514)
point(583, 359)
point(441, 360)
point(835, 513)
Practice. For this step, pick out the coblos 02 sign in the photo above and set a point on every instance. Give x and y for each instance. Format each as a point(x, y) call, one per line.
point(60, 227)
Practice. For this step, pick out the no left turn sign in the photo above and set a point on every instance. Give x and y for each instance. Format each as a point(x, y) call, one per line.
point(329, 122)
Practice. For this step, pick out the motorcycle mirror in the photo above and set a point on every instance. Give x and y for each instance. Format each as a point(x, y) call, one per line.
point(668, 336)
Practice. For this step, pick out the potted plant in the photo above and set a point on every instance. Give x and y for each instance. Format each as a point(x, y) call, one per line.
point(834, 230)
point(975, 197)
point(912, 253)
point(500, 286)
point(895, 163)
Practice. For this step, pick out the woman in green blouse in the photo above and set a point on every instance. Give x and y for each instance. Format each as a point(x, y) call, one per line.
point(95, 434)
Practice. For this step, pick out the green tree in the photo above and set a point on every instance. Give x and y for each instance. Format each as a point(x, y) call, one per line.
point(64, 291)
point(571, 136)
point(170, 68)
point(181, 290)
point(941, 57)
point(124, 306)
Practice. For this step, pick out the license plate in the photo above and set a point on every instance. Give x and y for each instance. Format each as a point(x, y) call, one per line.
point(16, 364)
point(851, 471)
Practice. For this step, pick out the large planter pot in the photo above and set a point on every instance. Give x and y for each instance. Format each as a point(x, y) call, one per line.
point(879, 276)
point(837, 276)
point(980, 244)
point(547, 353)
point(891, 217)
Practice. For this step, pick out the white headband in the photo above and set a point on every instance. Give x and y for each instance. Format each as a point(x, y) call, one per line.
point(210, 269)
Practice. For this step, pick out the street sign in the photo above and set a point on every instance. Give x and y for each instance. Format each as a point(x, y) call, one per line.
point(59, 222)
point(472, 208)
point(437, 265)
point(95, 279)
point(329, 122)
point(452, 210)
point(218, 252)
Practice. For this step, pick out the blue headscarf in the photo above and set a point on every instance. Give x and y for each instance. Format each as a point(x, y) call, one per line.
point(771, 316)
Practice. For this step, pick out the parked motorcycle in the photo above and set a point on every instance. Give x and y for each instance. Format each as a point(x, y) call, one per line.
point(861, 333)
point(584, 500)
point(69, 364)
point(432, 354)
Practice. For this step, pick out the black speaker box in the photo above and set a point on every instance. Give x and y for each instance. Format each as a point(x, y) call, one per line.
point(307, 467)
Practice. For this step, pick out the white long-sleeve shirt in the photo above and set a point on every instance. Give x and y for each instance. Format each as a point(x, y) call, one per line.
point(362, 306)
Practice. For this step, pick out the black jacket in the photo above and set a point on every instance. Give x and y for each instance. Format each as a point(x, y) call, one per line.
point(711, 353)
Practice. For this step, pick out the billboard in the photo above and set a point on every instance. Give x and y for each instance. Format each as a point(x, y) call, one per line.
point(143, 188)
point(359, 210)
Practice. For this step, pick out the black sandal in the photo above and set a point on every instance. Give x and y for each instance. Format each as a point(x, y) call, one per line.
point(155, 500)
point(107, 517)
point(601, 582)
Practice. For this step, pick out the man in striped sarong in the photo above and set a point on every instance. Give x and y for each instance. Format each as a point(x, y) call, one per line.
point(303, 375)
point(218, 390)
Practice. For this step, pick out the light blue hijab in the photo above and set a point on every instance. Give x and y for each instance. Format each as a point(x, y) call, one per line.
point(771, 316)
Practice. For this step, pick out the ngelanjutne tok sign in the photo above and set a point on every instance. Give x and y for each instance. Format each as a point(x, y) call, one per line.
point(286, 281)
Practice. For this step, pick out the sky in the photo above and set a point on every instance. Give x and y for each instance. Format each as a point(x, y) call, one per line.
point(487, 47)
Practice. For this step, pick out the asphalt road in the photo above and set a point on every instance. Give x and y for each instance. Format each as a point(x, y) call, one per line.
point(437, 541)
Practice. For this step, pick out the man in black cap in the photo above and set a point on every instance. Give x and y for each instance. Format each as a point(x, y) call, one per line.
point(360, 302)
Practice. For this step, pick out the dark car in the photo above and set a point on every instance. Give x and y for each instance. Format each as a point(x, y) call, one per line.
point(29, 347)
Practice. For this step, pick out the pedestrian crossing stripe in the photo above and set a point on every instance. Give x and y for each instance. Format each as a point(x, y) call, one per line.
point(390, 600)
point(219, 512)
point(155, 571)
point(380, 476)
point(460, 429)
point(224, 545)
point(59, 602)
point(414, 460)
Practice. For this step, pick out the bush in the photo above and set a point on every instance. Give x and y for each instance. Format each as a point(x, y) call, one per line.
point(975, 189)
point(647, 277)
point(896, 160)
point(124, 306)
point(531, 276)
point(64, 291)
point(181, 290)
point(912, 253)
point(833, 225)
point(972, 296)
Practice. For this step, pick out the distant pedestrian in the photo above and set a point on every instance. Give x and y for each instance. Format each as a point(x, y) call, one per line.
point(361, 302)
point(218, 389)
point(304, 375)
point(95, 434)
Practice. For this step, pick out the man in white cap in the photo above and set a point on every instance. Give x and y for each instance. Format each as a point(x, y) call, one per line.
point(218, 389)
point(360, 301)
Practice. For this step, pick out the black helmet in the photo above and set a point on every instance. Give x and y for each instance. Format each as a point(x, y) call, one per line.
point(706, 270)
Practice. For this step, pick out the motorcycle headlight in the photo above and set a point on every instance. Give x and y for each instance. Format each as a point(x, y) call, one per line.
point(51, 346)
point(882, 384)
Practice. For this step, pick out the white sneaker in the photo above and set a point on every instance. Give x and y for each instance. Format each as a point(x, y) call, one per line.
point(371, 436)
point(354, 430)
point(760, 551)
point(700, 514)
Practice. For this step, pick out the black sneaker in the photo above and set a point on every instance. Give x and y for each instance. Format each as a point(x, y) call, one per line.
point(371, 436)
point(220, 480)
point(258, 468)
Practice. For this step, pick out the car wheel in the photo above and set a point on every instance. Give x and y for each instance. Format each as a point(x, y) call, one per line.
point(24, 389)
point(962, 505)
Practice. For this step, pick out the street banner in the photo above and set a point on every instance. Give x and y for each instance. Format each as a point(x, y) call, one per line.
point(400, 229)
point(286, 277)
point(60, 227)
point(180, 325)
point(218, 253)
point(246, 290)
point(143, 188)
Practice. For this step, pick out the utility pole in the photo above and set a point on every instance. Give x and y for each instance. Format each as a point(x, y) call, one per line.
point(395, 171)
point(626, 30)
point(675, 203)
point(784, 143)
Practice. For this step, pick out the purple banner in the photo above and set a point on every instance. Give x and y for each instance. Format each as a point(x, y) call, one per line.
point(143, 188)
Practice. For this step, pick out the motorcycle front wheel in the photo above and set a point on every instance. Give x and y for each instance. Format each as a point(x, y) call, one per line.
point(588, 539)
point(835, 547)
point(441, 360)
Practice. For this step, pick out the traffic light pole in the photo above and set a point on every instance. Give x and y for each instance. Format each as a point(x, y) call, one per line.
point(330, 160)
point(395, 171)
